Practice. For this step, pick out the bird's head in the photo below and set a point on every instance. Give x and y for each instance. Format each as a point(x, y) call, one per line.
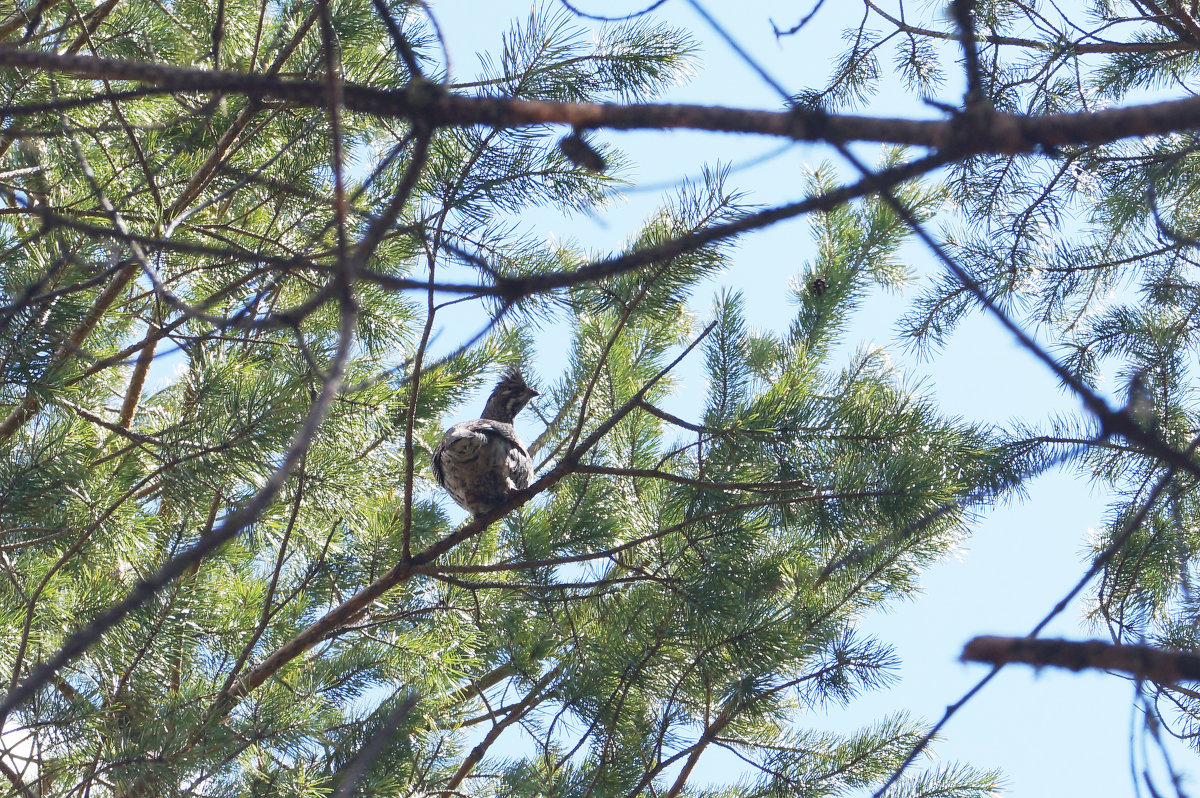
point(510, 395)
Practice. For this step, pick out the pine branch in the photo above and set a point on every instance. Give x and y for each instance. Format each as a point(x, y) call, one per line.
point(535, 696)
point(17, 782)
point(1187, 20)
point(1076, 47)
point(374, 747)
point(784, 486)
point(987, 132)
point(1100, 562)
point(523, 565)
point(354, 606)
point(1141, 662)
point(481, 684)
point(137, 380)
point(77, 643)
point(1112, 422)
point(90, 22)
point(29, 405)
point(223, 148)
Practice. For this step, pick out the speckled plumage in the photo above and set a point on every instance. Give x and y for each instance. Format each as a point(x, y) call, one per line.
point(480, 462)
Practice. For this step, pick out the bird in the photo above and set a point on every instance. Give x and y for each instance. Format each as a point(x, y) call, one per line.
point(481, 462)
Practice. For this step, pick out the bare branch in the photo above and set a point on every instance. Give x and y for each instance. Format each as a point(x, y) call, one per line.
point(1142, 662)
point(990, 132)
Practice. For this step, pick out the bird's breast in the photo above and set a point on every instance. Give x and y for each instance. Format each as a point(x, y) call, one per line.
point(480, 462)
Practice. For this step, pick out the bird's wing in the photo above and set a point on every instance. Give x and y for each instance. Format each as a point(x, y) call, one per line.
point(519, 469)
point(491, 428)
point(438, 474)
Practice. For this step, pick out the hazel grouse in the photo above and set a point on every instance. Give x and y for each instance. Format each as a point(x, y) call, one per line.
point(480, 462)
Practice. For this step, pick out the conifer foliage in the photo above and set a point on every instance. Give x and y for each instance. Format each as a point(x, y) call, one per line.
point(236, 240)
point(1093, 244)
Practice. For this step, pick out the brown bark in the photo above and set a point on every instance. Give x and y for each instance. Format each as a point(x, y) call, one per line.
point(1143, 662)
point(984, 131)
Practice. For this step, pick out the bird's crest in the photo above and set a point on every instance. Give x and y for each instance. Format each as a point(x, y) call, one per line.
point(510, 395)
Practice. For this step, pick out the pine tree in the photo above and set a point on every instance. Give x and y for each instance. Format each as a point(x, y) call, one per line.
point(1092, 245)
point(240, 579)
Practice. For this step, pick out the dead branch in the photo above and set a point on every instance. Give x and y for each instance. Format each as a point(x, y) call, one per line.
point(1143, 662)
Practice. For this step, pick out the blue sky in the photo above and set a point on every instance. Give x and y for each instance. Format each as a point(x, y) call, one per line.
point(1052, 733)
